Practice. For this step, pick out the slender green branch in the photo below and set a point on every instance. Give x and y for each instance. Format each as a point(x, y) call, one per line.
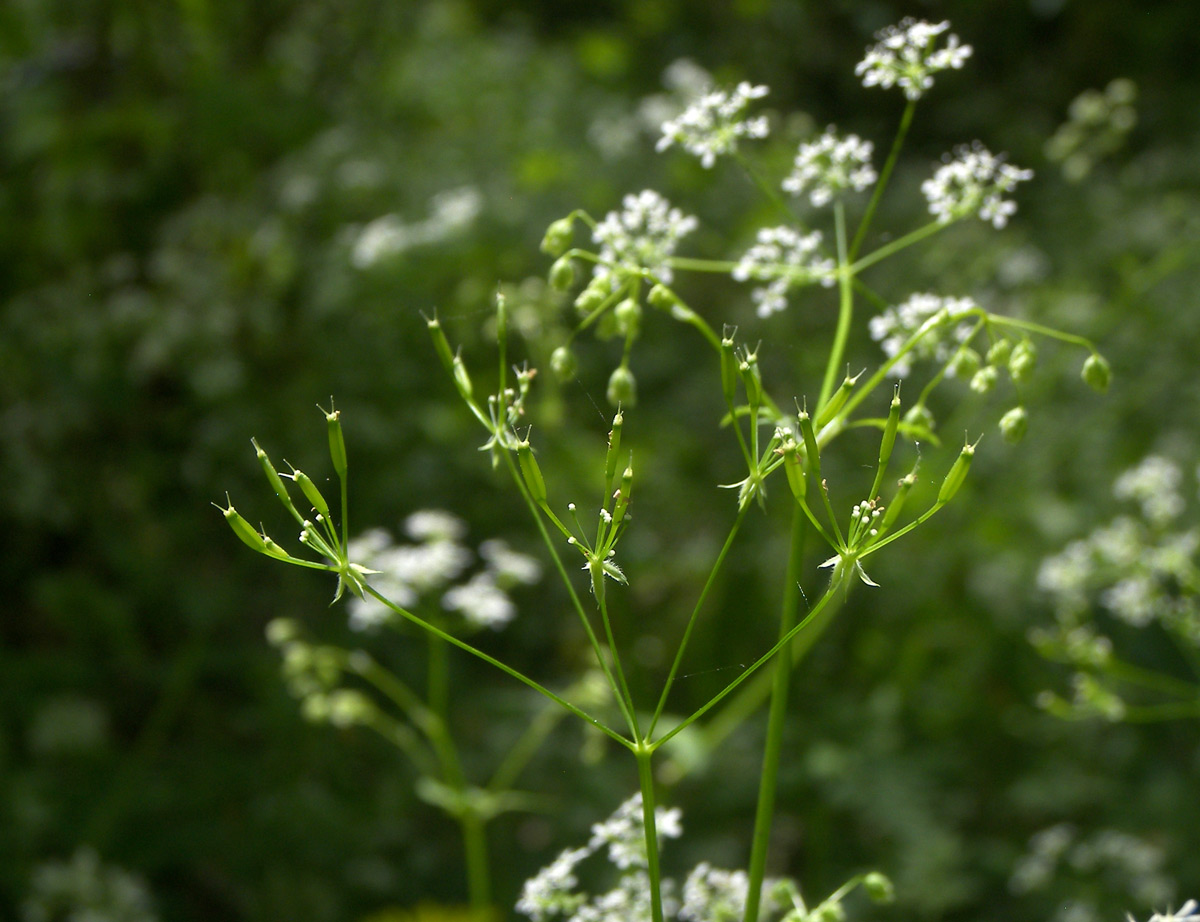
point(644, 755)
point(884, 175)
point(687, 631)
point(896, 245)
point(479, 885)
point(775, 721)
point(845, 310)
point(503, 667)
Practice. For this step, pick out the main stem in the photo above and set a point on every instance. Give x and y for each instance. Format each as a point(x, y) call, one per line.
point(479, 885)
point(646, 779)
point(775, 721)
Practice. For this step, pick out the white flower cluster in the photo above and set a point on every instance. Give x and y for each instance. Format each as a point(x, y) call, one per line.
point(906, 56)
point(711, 126)
point(1140, 571)
point(973, 181)
point(1188, 912)
point(829, 166)
point(1132, 868)
point(711, 894)
point(408, 572)
point(785, 258)
point(451, 213)
point(642, 236)
point(552, 891)
point(926, 313)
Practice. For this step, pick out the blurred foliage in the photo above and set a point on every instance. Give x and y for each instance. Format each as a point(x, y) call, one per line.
point(215, 214)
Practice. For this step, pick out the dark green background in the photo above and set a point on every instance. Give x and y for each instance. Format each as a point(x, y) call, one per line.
point(179, 186)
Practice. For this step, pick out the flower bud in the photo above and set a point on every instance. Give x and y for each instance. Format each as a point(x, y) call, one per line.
point(828, 912)
point(964, 363)
point(622, 387)
point(590, 299)
point(562, 363)
point(1022, 361)
point(629, 317)
point(878, 887)
point(1014, 424)
point(1096, 372)
point(957, 474)
point(660, 296)
point(558, 237)
point(562, 274)
point(999, 351)
point(984, 380)
point(919, 420)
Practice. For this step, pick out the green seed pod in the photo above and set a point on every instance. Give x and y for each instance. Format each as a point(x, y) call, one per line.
point(622, 387)
point(624, 493)
point(1014, 424)
point(837, 401)
point(660, 296)
point(957, 474)
point(999, 352)
point(274, 549)
point(628, 315)
point(440, 344)
point(562, 274)
point(558, 237)
point(729, 370)
point(810, 444)
point(751, 378)
point(984, 380)
point(274, 480)
point(1022, 361)
point(310, 491)
point(462, 380)
point(614, 448)
point(337, 441)
point(794, 469)
point(243, 529)
point(501, 322)
point(892, 512)
point(562, 363)
point(531, 472)
point(889, 430)
point(1096, 372)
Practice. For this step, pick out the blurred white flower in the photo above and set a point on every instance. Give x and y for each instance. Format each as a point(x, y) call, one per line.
point(785, 258)
point(897, 325)
point(906, 56)
point(973, 181)
point(711, 126)
point(830, 165)
point(642, 236)
point(1155, 484)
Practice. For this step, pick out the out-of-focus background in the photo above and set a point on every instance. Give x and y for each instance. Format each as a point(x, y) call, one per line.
point(215, 214)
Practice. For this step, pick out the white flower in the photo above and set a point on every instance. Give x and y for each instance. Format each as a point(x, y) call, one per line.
point(905, 56)
point(509, 566)
point(1135, 600)
point(481, 602)
point(973, 181)
point(710, 126)
point(623, 833)
point(551, 890)
point(435, 524)
point(1188, 912)
point(922, 312)
point(1154, 483)
point(642, 236)
point(785, 258)
point(829, 166)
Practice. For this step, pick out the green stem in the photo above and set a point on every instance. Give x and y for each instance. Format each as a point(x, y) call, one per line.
point(753, 668)
point(687, 632)
point(775, 721)
point(479, 886)
point(644, 755)
point(503, 667)
point(523, 750)
point(845, 310)
point(439, 679)
point(884, 176)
